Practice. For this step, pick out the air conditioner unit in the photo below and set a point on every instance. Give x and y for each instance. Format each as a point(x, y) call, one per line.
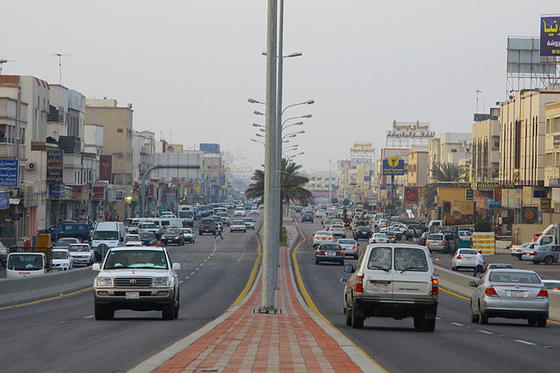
point(14, 193)
point(31, 166)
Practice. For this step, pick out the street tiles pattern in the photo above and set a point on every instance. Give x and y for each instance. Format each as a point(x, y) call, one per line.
point(288, 341)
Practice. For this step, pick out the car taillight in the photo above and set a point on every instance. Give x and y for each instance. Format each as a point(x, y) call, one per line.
point(435, 287)
point(319, 252)
point(355, 246)
point(359, 285)
point(332, 238)
point(533, 253)
point(340, 253)
point(491, 291)
point(543, 294)
point(459, 257)
point(443, 243)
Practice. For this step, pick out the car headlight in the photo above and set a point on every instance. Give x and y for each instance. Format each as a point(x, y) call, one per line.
point(162, 281)
point(104, 281)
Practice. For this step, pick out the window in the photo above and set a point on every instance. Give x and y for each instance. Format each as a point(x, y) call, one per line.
point(407, 259)
point(380, 258)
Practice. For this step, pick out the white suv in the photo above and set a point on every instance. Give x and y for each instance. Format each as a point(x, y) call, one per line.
point(136, 278)
point(392, 280)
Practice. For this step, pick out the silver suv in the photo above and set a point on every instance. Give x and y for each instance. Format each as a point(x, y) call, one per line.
point(392, 280)
point(139, 279)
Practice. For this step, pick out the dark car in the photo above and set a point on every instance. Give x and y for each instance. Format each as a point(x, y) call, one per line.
point(207, 225)
point(172, 235)
point(363, 232)
point(67, 230)
point(307, 216)
point(329, 252)
point(148, 238)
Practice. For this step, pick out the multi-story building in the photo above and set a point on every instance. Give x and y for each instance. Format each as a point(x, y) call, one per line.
point(418, 166)
point(486, 147)
point(552, 151)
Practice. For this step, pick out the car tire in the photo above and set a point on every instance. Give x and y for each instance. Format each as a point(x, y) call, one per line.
point(474, 318)
point(104, 311)
point(348, 317)
point(541, 321)
point(168, 310)
point(548, 260)
point(532, 321)
point(483, 319)
point(356, 321)
point(429, 323)
point(419, 323)
point(536, 262)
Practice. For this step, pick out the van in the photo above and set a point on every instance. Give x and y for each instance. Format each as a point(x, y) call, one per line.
point(106, 235)
point(435, 225)
point(187, 217)
point(171, 222)
point(24, 264)
point(69, 230)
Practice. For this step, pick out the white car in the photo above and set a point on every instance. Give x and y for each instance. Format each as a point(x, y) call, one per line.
point(338, 230)
point(378, 238)
point(322, 237)
point(133, 240)
point(81, 253)
point(239, 212)
point(255, 211)
point(464, 258)
point(518, 251)
point(62, 261)
point(249, 222)
point(188, 234)
point(350, 246)
point(238, 226)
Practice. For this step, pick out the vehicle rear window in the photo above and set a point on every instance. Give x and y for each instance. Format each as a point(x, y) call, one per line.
point(435, 237)
point(380, 258)
point(409, 259)
point(473, 252)
point(514, 277)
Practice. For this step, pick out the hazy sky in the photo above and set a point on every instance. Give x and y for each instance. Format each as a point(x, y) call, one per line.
point(188, 67)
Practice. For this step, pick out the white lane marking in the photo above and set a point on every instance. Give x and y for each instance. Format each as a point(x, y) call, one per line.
point(457, 324)
point(241, 257)
point(181, 281)
point(196, 269)
point(88, 317)
point(192, 273)
point(201, 264)
point(186, 278)
point(485, 332)
point(525, 342)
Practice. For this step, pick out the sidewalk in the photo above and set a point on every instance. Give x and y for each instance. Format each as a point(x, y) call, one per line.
point(292, 340)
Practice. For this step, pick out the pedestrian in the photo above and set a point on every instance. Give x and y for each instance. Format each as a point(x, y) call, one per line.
point(479, 261)
point(219, 231)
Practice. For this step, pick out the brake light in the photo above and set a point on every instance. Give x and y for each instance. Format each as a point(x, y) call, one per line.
point(319, 252)
point(359, 285)
point(490, 291)
point(340, 253)
point(435, 287)
point(332, 238)
point(355, 246)
point(443, 243)
point(543, 294)
point(459, 256)
point(533, 253)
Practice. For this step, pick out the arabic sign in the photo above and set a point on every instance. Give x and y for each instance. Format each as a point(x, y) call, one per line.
point(209, 148)
point(9, 172)
point(529, 215)
point(105, 167)
point(4, 200)
point(411, 194)
point(393, 166)
point(410, 134)
point(550, 37)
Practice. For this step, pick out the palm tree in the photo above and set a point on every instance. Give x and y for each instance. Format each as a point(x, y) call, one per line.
point(446, 172)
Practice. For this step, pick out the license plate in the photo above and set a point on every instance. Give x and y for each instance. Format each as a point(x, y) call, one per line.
point(132, 295)
point(381, 288)
point(330, 253)
point(516, 293)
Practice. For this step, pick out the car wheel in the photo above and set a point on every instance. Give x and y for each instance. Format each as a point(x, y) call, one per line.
point(541, 321)
point(453, 268)
point(104, 311)
point(474, 318)
point(483, 319)
point(429, 323)
point(548, 260)
point(357, 321)
point(419, 323)
point(536, 261)
point(168, 311)
point(349, 317)
point(316, 261)
point(532, 321)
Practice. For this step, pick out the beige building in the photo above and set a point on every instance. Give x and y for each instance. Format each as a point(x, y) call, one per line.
point(552, 151)
point(485, 147)
point(522, 137)
point(117, 139)
point(418, 166)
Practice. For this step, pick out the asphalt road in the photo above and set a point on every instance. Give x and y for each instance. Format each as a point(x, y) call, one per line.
point(457, 344)
point(62, 335)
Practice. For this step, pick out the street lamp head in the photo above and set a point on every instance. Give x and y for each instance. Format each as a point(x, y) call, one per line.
point(262, 130)
point(258, 135)
point(258, 113)
point(294, 54)
point(307, 116)
point(310, 102)
point(257, 125)
point(253, 101)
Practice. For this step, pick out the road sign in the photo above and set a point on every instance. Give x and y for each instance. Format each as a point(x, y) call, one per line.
point(367, 178)
point(469, 194)
point(196, 186)
point(393, 166)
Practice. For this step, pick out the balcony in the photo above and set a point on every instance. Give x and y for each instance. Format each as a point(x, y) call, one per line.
point(8, 150)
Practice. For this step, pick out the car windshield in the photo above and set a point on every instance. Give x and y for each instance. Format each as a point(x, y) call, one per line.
point(25, 262)
point(238, 222)
point(77, 248)
point(170, 231)
point(148, 226)
point(65, 242)
point(249, 220)
point(60, 254)
point(186, 214)
point(105, 235)
point(347, 242)
point(323, 233)
point(146, 235)
point(135, 259)
point(514, 277)
point(552, 285)
point(186, 230)
point(380, 235)
point(380, 258)
point(542, 248)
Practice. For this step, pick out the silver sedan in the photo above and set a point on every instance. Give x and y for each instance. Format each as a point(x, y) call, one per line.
point(510, 293)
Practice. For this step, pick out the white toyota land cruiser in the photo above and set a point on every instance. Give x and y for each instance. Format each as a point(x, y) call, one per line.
point(137, 278)
point(392, 280)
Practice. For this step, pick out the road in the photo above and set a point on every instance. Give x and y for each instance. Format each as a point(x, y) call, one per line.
point(62, 335)
point(457, 344)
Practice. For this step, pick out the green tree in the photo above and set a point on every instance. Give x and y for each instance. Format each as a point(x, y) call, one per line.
point(446, 172)
point(334, 200)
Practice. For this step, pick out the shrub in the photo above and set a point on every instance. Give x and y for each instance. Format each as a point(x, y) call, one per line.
point(482, 226)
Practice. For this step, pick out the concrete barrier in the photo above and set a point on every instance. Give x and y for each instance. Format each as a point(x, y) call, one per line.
point(21, 290)
point(459, 283)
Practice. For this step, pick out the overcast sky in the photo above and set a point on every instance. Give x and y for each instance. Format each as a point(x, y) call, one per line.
point(188, 67)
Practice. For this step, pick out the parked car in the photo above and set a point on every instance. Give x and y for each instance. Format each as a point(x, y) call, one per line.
point(349, 246)
point(81, 253)
point(238, 226)
point(395, 281)
point(307, 216)
point(172, 235)
point(148, 238)
point(510, 293)
point(249, 222)
point(61, 260)
point(362, 232)
point(544, 253)
point(154, 275)
point(463, 258)
point(322, 237)
point(517, 251)
point(378, 238)
point(188, 235)
point(329, 252)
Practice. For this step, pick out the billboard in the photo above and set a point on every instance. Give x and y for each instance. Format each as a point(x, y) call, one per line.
point(550, 37)
point(524, 58)
point(393, 166)
point(9, 172)
point(210, 148)
point(105, 167)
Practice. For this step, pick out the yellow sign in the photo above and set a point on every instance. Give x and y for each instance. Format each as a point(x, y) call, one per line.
point(196, 186)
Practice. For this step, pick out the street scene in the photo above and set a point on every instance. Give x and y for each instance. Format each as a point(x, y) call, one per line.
point(240, 187)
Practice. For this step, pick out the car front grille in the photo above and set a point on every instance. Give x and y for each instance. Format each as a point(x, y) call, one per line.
point(133, 282)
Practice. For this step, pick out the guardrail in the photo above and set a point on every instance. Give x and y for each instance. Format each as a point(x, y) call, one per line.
point(459, 283)
point(22, 290)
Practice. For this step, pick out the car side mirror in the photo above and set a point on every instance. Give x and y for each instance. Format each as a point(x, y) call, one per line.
point(96, 267)
point(176, 266)
point(349, 268)
point(344, 280)
point(473, 284)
